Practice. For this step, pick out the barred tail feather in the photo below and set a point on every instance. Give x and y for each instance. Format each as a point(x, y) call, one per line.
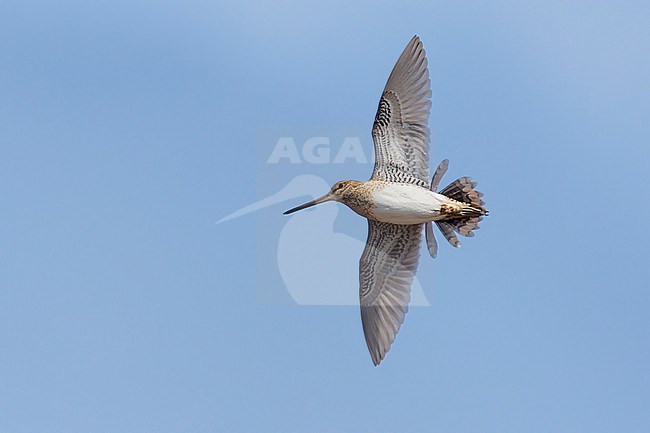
point(432, 245)
point(447, 231)
point(462, 226)
point(439, 173)
point(465, 226)
point(463, 190)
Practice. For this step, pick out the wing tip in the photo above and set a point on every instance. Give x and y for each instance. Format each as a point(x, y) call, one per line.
point(378, 357)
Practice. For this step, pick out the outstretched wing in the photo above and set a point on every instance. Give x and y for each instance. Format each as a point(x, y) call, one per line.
point(386, 271)
point(400, 131)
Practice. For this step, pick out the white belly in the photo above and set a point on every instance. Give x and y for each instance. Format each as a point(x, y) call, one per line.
point(405, 204)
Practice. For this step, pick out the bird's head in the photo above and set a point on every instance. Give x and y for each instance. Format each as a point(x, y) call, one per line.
point(338, 193)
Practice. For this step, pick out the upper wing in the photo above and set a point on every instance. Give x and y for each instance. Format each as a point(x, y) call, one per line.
point(400, 131)
point(386, 271)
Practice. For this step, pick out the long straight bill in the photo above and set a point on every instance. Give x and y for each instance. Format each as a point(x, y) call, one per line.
point(326, 197)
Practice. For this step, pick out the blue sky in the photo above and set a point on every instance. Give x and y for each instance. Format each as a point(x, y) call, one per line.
point(128, 128)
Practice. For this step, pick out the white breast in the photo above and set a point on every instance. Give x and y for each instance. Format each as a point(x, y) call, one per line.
point(400, 203)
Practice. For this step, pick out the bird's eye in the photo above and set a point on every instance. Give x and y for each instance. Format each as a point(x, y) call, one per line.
point(339, 186)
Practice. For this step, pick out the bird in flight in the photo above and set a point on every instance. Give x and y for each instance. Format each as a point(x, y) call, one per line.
point(398, 201)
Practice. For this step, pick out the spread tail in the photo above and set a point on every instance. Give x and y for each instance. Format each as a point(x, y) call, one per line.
point(462, 190)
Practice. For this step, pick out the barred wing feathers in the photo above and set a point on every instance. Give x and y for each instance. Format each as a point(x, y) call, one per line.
point(386, 270)
point(400, 131)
